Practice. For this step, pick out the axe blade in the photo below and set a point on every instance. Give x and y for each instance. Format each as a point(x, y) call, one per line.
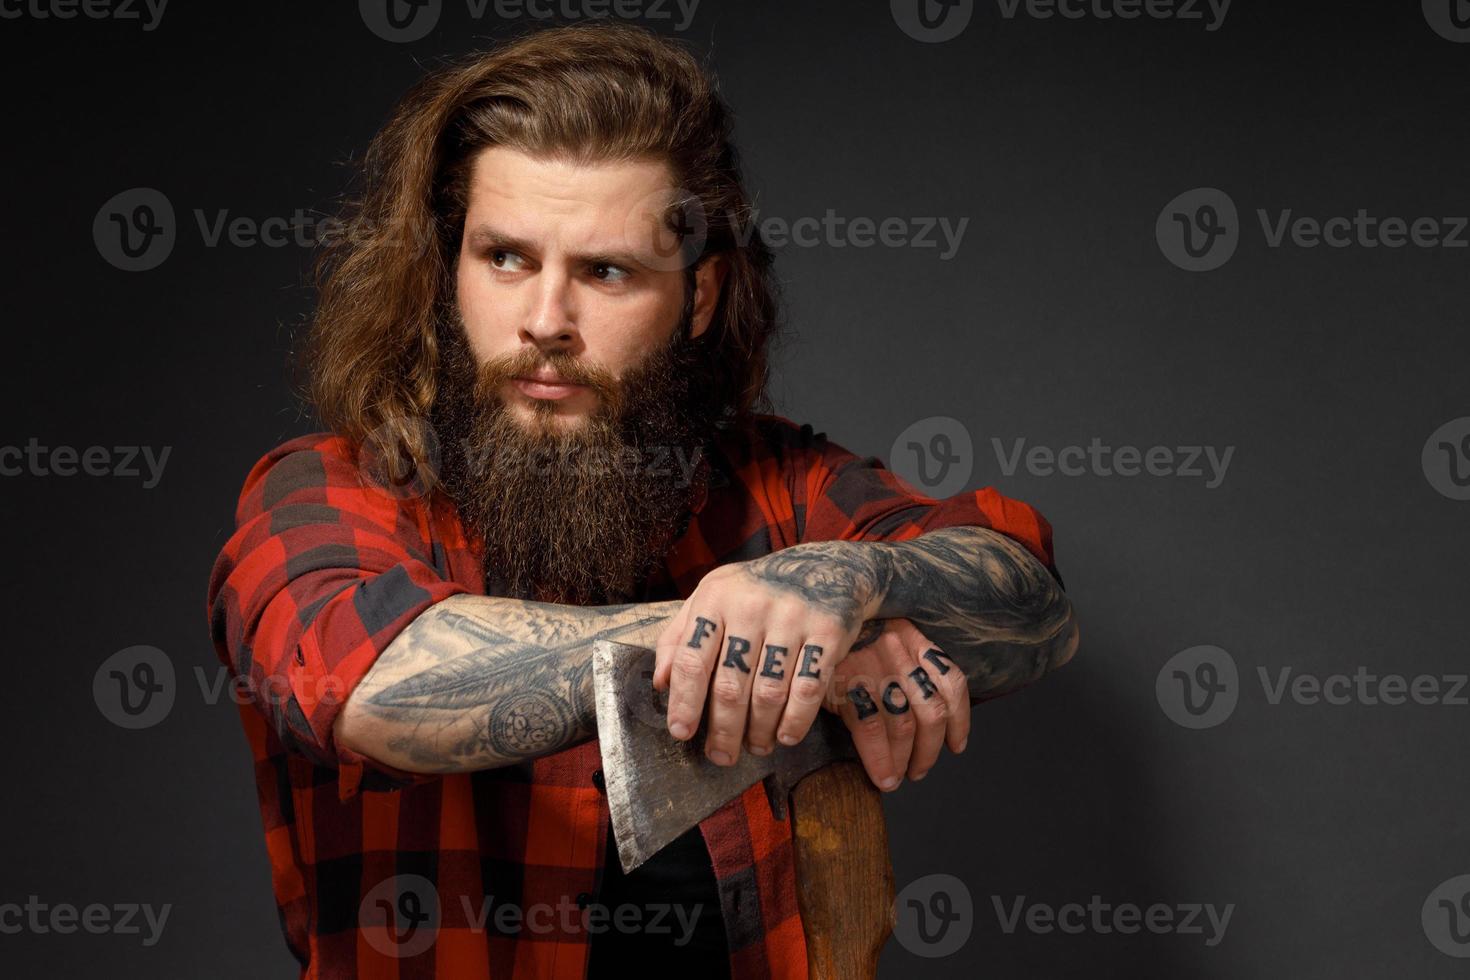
point(659, 787)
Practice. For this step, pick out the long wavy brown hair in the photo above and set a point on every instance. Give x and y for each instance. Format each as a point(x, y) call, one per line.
point(588, 93)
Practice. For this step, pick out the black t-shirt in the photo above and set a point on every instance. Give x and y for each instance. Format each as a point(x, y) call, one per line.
point(678, 879)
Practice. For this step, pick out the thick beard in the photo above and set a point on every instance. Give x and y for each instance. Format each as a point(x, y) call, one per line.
point(577, 514)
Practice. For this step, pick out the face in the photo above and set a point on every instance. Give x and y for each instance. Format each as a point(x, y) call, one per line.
point(562, 274)
point(563, 285)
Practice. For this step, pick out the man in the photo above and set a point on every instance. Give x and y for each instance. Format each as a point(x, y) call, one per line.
point(542, 353)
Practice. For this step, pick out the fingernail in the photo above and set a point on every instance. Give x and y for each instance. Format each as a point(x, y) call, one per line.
point(719, 758)
point(759, 749)
point(963, 742)
point(921, 775)
point(679, 730)
point(890, 783)
point(788, 739)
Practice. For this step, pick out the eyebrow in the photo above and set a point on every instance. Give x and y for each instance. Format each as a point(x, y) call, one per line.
point(484, 237)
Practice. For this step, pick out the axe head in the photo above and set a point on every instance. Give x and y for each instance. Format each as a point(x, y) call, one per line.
point(659, 787)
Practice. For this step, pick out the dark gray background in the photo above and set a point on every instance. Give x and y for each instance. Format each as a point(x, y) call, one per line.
point(1325, 550)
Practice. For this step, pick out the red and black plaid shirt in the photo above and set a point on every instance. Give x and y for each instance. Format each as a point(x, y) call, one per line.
point(321, 574)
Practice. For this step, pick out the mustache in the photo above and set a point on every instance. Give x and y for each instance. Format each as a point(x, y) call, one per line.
point(496, 371)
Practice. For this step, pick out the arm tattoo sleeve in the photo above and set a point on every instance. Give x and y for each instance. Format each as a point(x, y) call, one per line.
point(984, 600)
point(479, 682)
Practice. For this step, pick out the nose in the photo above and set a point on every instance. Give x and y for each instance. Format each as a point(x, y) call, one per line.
point(552, 320)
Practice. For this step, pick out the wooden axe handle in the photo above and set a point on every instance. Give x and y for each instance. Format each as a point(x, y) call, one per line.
point(844, 878)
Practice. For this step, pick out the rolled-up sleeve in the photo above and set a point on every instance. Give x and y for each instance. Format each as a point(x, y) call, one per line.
point(320, 575)
point(841, 496)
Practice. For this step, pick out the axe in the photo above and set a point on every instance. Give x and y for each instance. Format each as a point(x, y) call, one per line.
point(659, 787)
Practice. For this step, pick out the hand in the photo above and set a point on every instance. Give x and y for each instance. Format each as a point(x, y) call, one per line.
point(902, 699)
point(771, 631)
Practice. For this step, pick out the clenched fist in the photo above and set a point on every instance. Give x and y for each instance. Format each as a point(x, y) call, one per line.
point(765, 643)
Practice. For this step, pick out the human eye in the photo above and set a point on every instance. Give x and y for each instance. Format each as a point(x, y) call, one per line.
point(607, 272)
point(505, 259)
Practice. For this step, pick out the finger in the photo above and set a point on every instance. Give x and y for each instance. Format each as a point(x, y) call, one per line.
point(689, 672)
point(663, 651)
point(898, 715)
point(730, 694)
point(772, 680)
point(853, 665)
point(864, 721)
point(688, 629)
point(929, 706)
point(955, 688)
point(809, 682)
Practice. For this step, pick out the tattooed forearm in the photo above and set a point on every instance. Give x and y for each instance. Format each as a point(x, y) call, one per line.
point(480, 682)
point(985, 601)
point(982, 598)
point(841, 577)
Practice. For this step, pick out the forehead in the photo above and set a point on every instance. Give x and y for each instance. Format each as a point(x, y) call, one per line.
point(542, 197)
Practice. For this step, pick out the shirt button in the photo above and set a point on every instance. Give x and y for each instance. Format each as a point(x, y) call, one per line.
point(598, 781)
point(583, 900)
